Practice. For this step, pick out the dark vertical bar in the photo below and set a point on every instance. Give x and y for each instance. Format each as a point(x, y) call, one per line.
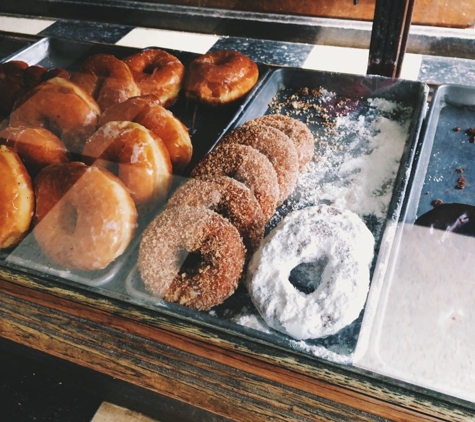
point(391, 24)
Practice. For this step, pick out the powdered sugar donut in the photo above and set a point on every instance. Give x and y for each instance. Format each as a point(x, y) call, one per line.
point(338, 241)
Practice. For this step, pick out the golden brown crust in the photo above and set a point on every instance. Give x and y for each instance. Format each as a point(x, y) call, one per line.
point(246, 165)
point(11, 83)
point(17, 78)
point(157, 72)
point(37, 147)
point(85, 216)
point(191, 256)
point(16, 198)
point(138, 157)
point(147, 111)
point(276, 146)
point(127, 110)
point(229, 198)
point(220, 77)
point(107, 79)
point(60, 106)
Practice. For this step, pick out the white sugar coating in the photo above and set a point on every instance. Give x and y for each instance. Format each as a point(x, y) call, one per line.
point(305, 236)
point(357, 167)
point(354, 167)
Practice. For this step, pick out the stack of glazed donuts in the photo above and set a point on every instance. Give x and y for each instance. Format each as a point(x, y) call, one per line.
point(195, 251)
point(89, 151)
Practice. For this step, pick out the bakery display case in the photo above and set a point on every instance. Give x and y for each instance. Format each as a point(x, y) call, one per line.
point(335, 285)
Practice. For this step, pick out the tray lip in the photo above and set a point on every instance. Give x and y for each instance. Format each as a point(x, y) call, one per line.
point(29, 39)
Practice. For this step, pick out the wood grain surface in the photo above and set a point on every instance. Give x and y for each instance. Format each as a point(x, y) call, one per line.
point(222, 373)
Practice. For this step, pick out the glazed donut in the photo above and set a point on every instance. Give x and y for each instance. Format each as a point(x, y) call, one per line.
point(17, 200)
point(147, 111)
point(85, 217)
point(106, 78)
point(127, 110)
point(17, 77)
point(452, 217)
point(246, 165)
point(36, 74)
point(157, 72)
point(11, 83)
point(137, 156)
point(297, 131)
point(61, 107)
point(229, 198)
point(318, 235)
point(277, 147)
point(37, 147)
point(191, 256)
point(220, 77)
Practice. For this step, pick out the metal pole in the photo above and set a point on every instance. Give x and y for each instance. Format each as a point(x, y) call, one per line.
point(391, 24)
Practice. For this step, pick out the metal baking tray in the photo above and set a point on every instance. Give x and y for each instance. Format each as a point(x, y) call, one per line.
point(420, 326)
point(445, 150)
point(359, 101)
point(11, 43)
point(205, 124)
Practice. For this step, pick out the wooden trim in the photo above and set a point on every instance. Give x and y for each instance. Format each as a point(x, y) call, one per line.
point(223, 374)
point(443, 13)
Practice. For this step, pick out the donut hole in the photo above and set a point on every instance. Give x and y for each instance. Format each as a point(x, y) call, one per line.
point(149, 69)
point(306, 277)
point(69, 217)
point(192, 262)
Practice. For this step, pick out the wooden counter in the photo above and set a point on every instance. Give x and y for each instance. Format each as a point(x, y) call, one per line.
point(222, 373)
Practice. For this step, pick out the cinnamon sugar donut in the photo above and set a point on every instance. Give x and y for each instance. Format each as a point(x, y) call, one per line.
point(157, 72)
point(37, 147)
point(137, 155)
point(17, 200)
point(191, 256)
point(147, 111)
point(85, 217)
point(297, 131)
point(106, 78)
point(60, 106)
point(220, 77)
point(229, 198)
point(246, 165)
point(276, 146)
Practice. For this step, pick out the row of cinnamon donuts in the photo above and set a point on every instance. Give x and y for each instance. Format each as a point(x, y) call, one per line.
point(194, 252)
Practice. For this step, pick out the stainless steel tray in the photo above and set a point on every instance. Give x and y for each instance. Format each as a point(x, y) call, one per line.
point(11, 43)
point(345, 100)
point(419, 326)
point(349, 113)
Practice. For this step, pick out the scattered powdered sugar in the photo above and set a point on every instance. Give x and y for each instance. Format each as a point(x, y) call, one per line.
point(357, 157)
point(356, 167)
point(257, 323)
